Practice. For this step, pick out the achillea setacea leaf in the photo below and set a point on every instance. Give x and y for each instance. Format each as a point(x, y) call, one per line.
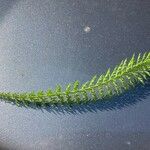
point(124, 76)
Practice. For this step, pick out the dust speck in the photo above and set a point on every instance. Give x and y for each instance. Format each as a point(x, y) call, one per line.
point(87, 29)
point(128, 143)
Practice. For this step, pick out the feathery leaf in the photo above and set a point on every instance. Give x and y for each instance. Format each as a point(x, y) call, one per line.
point(124, 76)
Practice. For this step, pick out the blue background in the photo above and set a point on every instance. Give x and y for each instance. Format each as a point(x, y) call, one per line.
point(45, 42)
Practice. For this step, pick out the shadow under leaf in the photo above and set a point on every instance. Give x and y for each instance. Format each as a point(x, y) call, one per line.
point(130, 97)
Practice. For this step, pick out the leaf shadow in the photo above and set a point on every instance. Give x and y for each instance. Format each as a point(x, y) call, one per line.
point(122, 101)
point(128, 98)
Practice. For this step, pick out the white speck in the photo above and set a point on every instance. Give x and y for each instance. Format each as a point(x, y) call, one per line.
point(128, 143)
point(87, 29)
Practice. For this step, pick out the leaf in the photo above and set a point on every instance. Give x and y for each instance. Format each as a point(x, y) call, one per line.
point(140, 79)
point(59, 95)
point(23, 96)
point(68, 88)
point(144, 56)
point(124, 76)
point(143, 75)
point(107, 76)
point(49, 92)
point(139, 58)
point(147, 73)
point(58, 89)
point(32, 96)
point(77, 97)
point(40, 95)
point(116, 87)
point(100, 92)
point(85, 85)
point(148, 56)
point(99, 81)
point(109, 91)
point(92, 80)
point(68, 94)
point(85, 96)
point(131, 62)
point(76, 85)
point(15, 96)
point(93, 94)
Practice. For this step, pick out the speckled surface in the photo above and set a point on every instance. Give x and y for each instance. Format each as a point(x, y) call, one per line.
point(45, 42)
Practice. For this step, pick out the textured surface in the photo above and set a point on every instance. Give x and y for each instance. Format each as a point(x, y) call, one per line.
point(44, 42)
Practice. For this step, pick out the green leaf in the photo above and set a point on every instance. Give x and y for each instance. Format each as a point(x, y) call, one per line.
point(32, 96)
point(131, 62)
point(124, 76)
point(144, 56)
point(85, 96)
point(68, 94)
point(107, 76)
point(40, 95)
point(99, 81)
point(116, 87)
point(147, 73)
point(68, 88)
point(93, 94)
point(58, 89)
point(77, 97)
point(76, 85)
point(140, 79)
point(59, 95)
point(85, 85)
point(49, 92)
point(92, 80)
point(139, 58)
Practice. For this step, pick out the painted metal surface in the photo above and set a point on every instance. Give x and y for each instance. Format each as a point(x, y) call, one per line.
point(45, 42)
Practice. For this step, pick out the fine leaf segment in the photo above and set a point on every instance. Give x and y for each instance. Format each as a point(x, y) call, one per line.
point(124, 76)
